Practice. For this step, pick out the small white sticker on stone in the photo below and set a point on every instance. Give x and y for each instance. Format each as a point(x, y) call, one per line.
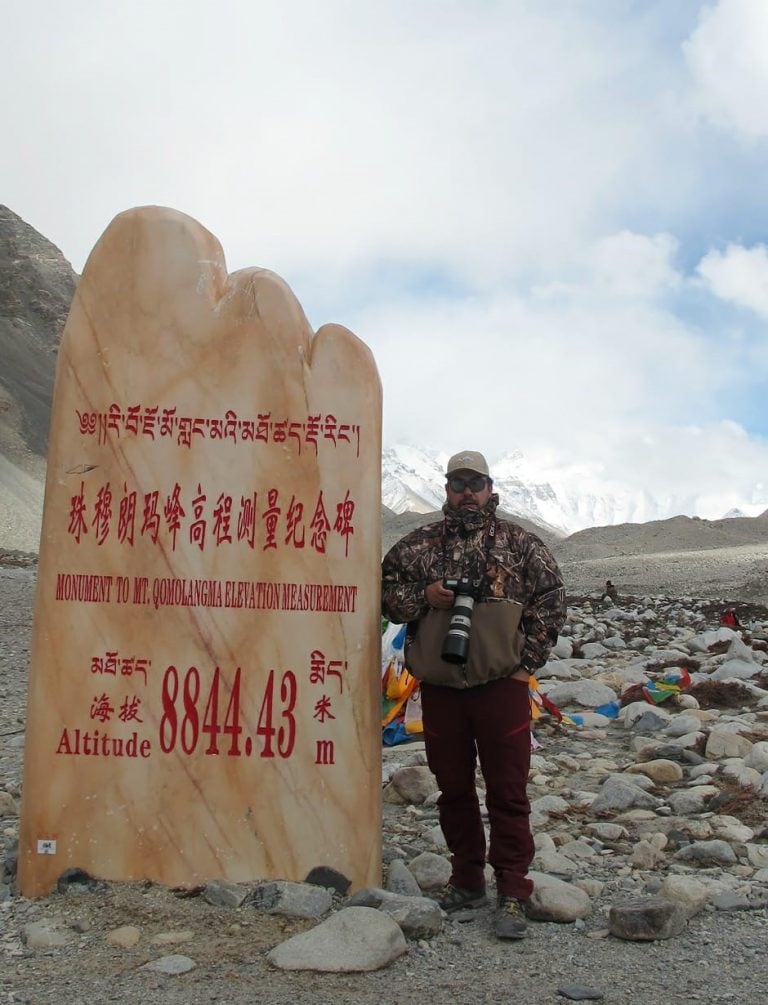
point(46, 846)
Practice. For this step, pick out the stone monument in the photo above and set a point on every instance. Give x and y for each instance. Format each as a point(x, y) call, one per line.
point(204, 678)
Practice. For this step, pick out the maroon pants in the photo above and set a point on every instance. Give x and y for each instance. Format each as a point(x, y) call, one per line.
point(491, 722)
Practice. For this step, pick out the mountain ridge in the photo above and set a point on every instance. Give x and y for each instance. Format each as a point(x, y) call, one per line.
point(561, 500)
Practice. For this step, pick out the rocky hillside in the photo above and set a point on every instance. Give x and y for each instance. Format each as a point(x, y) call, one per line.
point(36, 288)
point(681, 533)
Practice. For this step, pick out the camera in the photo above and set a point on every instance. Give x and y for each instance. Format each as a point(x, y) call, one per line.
point(456, 643)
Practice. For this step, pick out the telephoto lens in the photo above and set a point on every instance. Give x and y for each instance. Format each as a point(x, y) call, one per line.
point(456, 643)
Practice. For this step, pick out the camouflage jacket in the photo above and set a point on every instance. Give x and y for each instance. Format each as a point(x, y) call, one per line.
point(509, 565)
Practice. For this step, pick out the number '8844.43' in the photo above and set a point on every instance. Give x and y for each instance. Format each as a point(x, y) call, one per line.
point(190, 718)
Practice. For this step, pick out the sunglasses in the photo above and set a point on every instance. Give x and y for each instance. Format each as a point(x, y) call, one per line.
point(475, 484)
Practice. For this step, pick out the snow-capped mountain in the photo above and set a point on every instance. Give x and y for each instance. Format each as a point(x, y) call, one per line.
point(565, 499)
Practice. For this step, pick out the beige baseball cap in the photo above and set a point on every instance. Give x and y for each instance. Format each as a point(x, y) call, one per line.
point(468, 460)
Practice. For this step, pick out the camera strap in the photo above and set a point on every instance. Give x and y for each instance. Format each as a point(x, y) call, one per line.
point(490, 540)
point(490, 536)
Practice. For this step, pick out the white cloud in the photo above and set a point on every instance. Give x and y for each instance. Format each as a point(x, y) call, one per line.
point(505, 201)
point(634, 264)
point(716, 465)
point(699, 470)
point(739, 275)
point(482, 137)
point(573, 368)
point(727, 57)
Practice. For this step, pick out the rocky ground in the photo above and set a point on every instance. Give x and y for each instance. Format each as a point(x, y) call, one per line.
point(738, 571)
point(668, 800)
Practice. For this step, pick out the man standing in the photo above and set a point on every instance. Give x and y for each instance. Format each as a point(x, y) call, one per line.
point(510, 601)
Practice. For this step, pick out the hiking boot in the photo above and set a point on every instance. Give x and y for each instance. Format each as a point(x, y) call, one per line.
point(456, 898)
point(509, 919)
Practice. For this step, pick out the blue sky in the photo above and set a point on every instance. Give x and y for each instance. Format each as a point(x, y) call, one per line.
point(547, 218)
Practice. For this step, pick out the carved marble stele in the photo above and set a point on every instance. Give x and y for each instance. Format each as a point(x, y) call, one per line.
point(204, 681)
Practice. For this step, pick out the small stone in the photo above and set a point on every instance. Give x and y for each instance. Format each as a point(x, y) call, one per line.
point(707, 853)
point(221, 893)
point(355, 940)
point(729, 901)
point(293, 900)
point(171, 965)
point(172, 938)
point(330, 879)
point(689, 893)
point(9, 807)
point(645, 920)
point(76, 881)
point(126, 936)
point(578, 993)
point(401, 880)
point(414, 784)
point(555, 900)
point(45, 934)
point(660, 770)
point(431, 871)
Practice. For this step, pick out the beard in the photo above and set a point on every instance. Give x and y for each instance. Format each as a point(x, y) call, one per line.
point(467, 518)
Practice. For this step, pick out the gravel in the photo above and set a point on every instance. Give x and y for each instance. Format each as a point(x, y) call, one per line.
point(721, 956)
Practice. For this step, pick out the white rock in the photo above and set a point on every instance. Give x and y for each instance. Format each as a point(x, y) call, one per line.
point(125, 936)
point(689, 741)
point(758, 855)
point(758, 756)
point(614, 643)
point(634, 712)
point(550, 804)
point(578, 850)
point(722, 743)
point(356, 939)
point(646, 855)
point(736, 670)
point(587, 693)
point(659, 770)
point(682, 724)
point(687, 701)
point(704, 771)
point(707, 853)
point(171, 965)
point(552, 862)
point(746, 777)
point(606, 831)
point(687, 801)
point(45, 934)
point(430, 870)
point(554, 900)
point(686, 891)
point(563, 648)
point(730, 829)
point(591, 650)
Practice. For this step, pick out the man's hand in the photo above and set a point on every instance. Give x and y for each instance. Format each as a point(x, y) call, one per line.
point(437, 595)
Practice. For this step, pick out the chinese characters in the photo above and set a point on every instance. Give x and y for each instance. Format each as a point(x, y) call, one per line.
point(265, 520)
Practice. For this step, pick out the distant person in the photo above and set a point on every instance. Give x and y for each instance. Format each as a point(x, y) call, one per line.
point(610, 591)
point(499, 590)
point(730, 619)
